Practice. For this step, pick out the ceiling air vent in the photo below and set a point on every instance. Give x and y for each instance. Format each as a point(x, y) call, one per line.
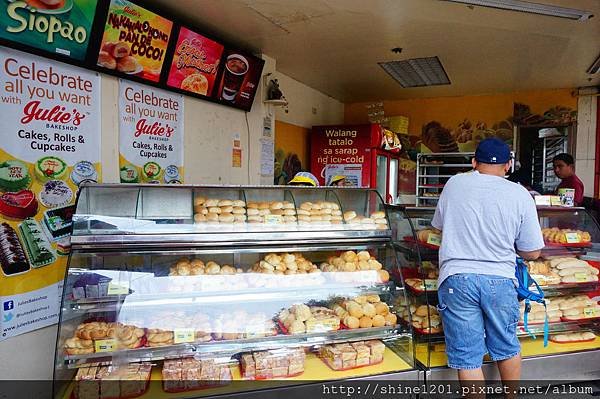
point(417, 72)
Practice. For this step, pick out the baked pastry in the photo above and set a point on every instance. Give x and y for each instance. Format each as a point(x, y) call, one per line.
point(127, 64)
point(106, 60)
point(196, 83)
point(120, 50)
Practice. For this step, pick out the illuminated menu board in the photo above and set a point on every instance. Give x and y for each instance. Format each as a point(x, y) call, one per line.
point(135, 41)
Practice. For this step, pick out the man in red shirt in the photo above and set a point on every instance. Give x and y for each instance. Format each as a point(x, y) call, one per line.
point(564, 168)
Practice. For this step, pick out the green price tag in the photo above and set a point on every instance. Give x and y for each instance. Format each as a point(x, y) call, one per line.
point(273, 219)
point(434, 239)
point(105, 345)
point(590, 312)
point(120, 288)
point(431, 285)
point(573, 238)
point(181, 335)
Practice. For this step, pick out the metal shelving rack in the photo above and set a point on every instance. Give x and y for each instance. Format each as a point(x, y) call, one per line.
point(434, 170)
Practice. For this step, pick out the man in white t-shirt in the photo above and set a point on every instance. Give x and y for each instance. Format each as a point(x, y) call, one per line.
point(486, 221)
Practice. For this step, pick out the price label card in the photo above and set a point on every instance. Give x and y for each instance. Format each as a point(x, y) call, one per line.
point(431, 285)
point(542, 200)
point(555, 200)
point(105, 345)
point(439, 348)
point(581, 277)
point(573, 238)
point(434, 239)
point(120, 288)
point(273, 219)
point(591, 312)
point(181, 335)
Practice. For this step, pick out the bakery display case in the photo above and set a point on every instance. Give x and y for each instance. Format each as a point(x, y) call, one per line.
point(567, 271)
point(201, 291)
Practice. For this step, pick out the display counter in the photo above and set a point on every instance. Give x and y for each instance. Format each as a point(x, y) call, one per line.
point(200, 288)
point(567, 271)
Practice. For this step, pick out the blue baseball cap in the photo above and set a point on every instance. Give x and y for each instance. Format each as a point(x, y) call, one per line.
point(493, 151)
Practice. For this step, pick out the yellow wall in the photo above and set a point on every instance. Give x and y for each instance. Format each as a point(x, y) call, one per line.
point(450, 111)
point(291, 139)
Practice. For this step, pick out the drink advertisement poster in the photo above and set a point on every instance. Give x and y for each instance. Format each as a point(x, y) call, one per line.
point(343, 150)
point(50, 145)
point(151, 134)
point(240, 78)
point(134, 41)
point(195, 63)
point(57, 26)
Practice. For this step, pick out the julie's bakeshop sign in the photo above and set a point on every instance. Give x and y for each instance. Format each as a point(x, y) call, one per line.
point(134, 41)
point(57, 26)
point(51, 129)
point(150, 134)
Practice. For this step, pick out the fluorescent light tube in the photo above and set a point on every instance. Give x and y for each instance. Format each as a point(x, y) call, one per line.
point(531, 8)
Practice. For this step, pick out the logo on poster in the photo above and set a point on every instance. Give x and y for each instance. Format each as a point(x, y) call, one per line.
point(38, 22)
point(156, 129)
point(8, 305)
point(33, 111)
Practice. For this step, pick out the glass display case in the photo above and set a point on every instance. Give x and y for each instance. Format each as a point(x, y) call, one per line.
point(192, 289)
point(567, 271)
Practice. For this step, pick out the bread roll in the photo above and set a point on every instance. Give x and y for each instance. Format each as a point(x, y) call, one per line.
point(351, 322)
point(366, 322)
point(252, 212)
point(378, 215)
point(226, 218)
point(572, 270)
point(422, 311)
point(349, 215)
point(106, 60)
point(211, 202)
point(378, 321)
point(127, 64)
point(570, 263)
point(238, 203)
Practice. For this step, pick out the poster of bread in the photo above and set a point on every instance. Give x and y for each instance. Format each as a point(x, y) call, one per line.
point(195, 63)
point(134, 41)
point(57, 26)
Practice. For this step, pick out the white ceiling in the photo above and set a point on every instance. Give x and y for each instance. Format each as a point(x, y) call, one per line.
point(334, 45)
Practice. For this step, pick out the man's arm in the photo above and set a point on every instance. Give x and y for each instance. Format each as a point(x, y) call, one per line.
point(529, 241)
point(529, 255)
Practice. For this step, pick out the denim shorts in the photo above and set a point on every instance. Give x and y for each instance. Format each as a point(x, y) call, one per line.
point(480, 314)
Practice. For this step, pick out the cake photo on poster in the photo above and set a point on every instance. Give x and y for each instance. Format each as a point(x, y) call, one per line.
point(134, 41)
point(240, 77)
point(195, 63)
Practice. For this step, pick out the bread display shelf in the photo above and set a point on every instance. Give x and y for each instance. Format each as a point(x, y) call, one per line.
point(571, 245)
point(231, 347)
point(195, 298)
point(412, 240)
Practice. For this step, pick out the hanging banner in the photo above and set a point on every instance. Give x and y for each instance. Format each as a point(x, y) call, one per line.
point(50, 129)
point(57, 26)
point(151, 134)
point(134, 41)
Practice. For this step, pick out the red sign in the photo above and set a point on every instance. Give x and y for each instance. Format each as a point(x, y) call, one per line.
point(195, 63)
point(332, 147)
